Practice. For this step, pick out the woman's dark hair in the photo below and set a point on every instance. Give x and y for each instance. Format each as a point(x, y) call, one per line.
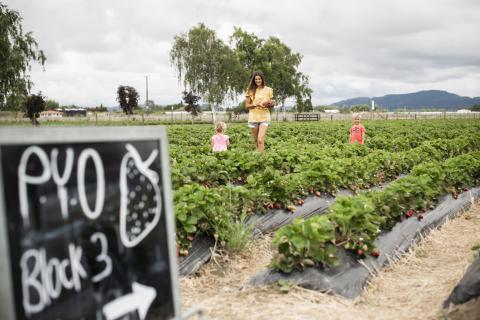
point(252, 86)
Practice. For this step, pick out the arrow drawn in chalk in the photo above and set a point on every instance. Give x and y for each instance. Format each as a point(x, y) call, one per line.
point(140, 299)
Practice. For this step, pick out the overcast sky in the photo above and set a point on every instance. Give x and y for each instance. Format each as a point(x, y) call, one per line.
point(350, 48)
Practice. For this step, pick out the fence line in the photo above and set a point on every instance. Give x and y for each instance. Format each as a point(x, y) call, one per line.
point(206, 117)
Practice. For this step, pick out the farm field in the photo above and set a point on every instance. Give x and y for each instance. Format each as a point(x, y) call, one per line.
point(215, 195)
point(434, 157)
point(213, 192)
point(412, 288)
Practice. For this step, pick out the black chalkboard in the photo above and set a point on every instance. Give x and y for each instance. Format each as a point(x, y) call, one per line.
point(87, 224)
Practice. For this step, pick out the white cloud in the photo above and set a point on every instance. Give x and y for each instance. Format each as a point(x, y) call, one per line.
point(351, 48)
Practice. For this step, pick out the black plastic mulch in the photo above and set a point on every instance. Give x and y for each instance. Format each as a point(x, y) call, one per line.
point(350, 276)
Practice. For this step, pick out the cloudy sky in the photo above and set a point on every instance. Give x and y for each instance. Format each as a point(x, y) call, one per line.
point(350, 48)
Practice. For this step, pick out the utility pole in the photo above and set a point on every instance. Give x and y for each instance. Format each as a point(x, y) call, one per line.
point(146, 85)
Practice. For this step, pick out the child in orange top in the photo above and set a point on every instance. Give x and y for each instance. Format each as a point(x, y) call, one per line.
point(220, 140)
point(357, 131)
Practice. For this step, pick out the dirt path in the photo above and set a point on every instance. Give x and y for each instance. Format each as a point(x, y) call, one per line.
point(413, 288)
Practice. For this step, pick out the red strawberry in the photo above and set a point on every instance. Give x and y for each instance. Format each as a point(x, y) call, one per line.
point(375, 253)
point(465, 189)
point(360, 252)
point(140, 197)
point(409, 213)
point(420, 217)
point(277, 205)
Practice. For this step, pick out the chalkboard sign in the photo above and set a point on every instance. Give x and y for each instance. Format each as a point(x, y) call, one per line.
point(86, 224)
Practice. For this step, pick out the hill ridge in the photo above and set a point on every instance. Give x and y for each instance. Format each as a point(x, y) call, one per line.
point(422, 99)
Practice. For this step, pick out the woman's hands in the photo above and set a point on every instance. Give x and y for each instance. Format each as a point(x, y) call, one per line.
point(265, 105)
point(249, 104)
point(268, 104)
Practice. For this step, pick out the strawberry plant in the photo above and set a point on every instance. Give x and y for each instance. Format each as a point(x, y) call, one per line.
point(303, 243)
point(356, 222)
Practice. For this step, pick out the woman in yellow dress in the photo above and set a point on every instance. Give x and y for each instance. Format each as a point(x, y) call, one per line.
point(259, 101)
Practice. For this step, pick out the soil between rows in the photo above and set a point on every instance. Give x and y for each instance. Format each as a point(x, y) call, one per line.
point(412, 288)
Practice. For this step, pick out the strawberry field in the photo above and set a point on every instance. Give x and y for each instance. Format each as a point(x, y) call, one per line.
point(215, 193)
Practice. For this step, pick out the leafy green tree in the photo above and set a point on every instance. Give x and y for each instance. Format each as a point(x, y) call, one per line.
point(303, 94)
point(280, 68)
point(14, 102)
point(360, 108)
point(304, 105)
point(100, 108)
point(475, 107)
point(133, 98)
point(240, 109)
point(52, 105)
point(206, 65)
point(247, 50)
point(122, 98)
point(276, 60)
point(17, 49)
point(128, 99)
point(33, 105)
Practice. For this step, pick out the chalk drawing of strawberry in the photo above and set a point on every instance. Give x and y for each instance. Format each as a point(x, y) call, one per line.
point(140, 198)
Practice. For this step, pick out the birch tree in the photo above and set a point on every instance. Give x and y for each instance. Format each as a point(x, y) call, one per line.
point(205, 65)
point(17, 49)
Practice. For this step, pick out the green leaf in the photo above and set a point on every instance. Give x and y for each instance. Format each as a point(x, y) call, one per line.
point(190, 228)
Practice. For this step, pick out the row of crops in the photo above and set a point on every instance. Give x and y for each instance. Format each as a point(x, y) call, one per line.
point(354, 222)
point(214, 193)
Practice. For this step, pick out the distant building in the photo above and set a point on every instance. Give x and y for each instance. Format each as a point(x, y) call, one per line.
point(463, 111)
point(51, 114)
point(332, 111)
point(75, 112)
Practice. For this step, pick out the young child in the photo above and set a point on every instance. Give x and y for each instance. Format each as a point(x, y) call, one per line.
point(357, 131)
point(220, 141)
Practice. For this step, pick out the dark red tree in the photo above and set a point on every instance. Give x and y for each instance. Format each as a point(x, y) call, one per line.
point(191, 102)
point(33, 105)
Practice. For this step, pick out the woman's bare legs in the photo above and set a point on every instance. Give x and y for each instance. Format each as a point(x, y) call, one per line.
point(255, 135)
point(262, 131)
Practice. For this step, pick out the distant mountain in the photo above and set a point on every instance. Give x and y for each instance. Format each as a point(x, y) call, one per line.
point(437, 99)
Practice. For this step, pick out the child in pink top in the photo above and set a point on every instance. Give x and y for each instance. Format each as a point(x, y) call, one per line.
point(357, 131)
point(220, 141)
